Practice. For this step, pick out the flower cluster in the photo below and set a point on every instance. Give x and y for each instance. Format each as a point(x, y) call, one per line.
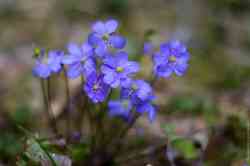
point(103, 64)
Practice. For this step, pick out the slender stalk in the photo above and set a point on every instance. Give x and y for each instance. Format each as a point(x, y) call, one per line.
point(101, 119)
point(46, 99)
point(68, 103)
point(83, 107)
point(53, 119)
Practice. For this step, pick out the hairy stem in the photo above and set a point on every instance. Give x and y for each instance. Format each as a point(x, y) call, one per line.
point(47, 102)
point(68, 103)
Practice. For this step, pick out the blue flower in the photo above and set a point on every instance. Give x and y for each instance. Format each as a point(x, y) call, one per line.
point(95, 88)
point(104, 35)
point(45, 65)
point(80, 60)
point(138, 90)
point(173, 57)
point(120, 108)
point(141, 96)
point(117, 69)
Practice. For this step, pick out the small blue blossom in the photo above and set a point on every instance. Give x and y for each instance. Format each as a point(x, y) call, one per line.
point(117, 69)
point(104, 35)
point(45, 65)
point(80, 60)
point(120, 108)
point(141, 95)
point(173, 57)
point(95, 88)
point(137, 90)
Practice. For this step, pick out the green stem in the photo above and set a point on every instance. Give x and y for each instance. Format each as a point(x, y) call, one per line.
point(52, 117)
point(47, 105)
point(68, 103)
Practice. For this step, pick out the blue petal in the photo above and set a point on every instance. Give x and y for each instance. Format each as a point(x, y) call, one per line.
point(55, 67)
point(144, 90)
point(87, 49)
point(180, 69)
point(126, 82)
point(147, 48)
point(132, 67)
point(41, 70)
point(163, 71)
point(111, 26)
point(164, 48)
point(160, 58)
point(70, 59)
point(101, 50)
point(74, 70)
point(89, 66)
point(99, 27)
point(151, 113)
point(94, 39)
point(54, 60)
point(74, 49)
point(121, 56)
point(117, 41)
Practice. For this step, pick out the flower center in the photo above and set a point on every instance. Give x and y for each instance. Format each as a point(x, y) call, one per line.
point(172, 59)
point(119, 69)
point(96, 87)
point(134, 87)
point(105, 37)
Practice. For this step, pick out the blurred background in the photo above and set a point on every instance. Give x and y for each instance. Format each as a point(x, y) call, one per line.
point(210, 103)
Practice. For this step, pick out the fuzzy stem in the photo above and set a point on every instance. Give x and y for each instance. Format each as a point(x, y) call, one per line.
point(68, 103)
point(46, 99)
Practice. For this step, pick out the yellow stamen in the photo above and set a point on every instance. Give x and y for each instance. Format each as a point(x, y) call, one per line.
point(172, 58)
point(134, 87)
point(119, 69)
point(95, 87)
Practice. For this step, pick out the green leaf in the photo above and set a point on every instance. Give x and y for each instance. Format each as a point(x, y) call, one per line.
point(79, 152)
point(36, 151)
point(185, 147)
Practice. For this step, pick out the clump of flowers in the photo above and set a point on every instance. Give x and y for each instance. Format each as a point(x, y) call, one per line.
point(110, 87)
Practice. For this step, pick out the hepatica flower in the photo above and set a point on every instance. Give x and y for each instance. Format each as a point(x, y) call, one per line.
point(173, 57)
point(79, 60)
point(95, 88)
point(120, 108)
point(104, 35)
point(46, 64)
point(117, 69)
point(137, 90)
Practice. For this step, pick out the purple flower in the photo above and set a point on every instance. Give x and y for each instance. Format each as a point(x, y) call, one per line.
point(173, 57)
point(45, 65)
point(95, 88)
point(117, 69)
point(141, 95)
point(137, 90)
point(120, 108)
point(104, 35)
point(80, 60)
